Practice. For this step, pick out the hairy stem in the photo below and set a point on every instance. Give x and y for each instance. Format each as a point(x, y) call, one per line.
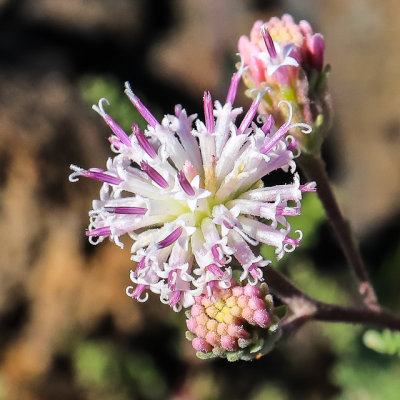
point(304, 308)
point(314, 168)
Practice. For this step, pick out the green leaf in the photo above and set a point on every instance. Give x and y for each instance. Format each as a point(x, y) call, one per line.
point(386, 342)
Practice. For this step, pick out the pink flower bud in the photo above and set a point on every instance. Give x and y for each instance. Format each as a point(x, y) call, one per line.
point(200, 344)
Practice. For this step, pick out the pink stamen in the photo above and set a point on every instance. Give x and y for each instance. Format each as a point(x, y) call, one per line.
point(287, 211)
point(208, 112)
point(139, 291)
point(249, 116)
point(211, 286)
point(144, 143)
point(269, 43)
point(103, 231)
point(145, 113)
point(154, 175)
point(175, 297)
point(292, 145)
point(126, 210)
point(217, 271)
point(171, 238)
point(99, 175)
point(271, 142)
point(308, 188)
point(291, 242)
point(227, 224)
point(115, 142)
point(177, 110)
point(255, 272)
point(117, 130)
point(216, 252)
point(268, 124)
point(185, 185)
point(172, 279)
point(230, 98)
point(140, 266)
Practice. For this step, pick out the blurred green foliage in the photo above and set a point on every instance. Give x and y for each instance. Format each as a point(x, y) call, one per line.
point(93, 88)
point(117, 373)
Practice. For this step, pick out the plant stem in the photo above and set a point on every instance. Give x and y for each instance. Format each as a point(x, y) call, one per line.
point(304, 308)
point(314, 168)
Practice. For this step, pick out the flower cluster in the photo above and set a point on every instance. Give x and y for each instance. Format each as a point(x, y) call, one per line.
point(229, 326)
point(289, 59)
point(190, 195)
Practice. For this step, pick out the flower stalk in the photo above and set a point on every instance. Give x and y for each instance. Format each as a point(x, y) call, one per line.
point(314, 168)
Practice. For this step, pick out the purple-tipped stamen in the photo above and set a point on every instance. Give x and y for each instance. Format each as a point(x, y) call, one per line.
point(126, 210)
point(288, 211)
point(291, 242)
point(217, 254)
point(99, 175)
point(115, 142)
point(144, 143)
point(145, 113)
point(117, 130)
point(292, 145)
point(103, 231)
point(171, 238)
point(217, 271)
point(249, 115)
point(139, 291)
point(185, 185)
point(269, 43)
point(230, 97)
point(154, 175)
point(177, 110)
point(308, 188)
point(268, 124)
point(175, 298)
point(140, 266)
point(172, 275)
point(255, 272)
point(278, 135)
point(208, 112)
point(227, 224)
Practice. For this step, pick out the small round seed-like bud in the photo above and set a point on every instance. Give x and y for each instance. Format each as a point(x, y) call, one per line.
point(262, 318)
point(242, 301)
point(222, 329)
point(213, 338)
point(236, 311)
point(229, 319)
point(247, 314)
point(252, 290)
point(196, 310)
point(201, 331)
point(231, 301)
point(211, 311)
point(212, 325)
point(237, 291)
point(200, 344)
point(191, 324)
point(202, 319)
point(228, 342)
point(256, 303)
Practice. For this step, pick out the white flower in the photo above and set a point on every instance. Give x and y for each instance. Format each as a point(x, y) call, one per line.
point(190, 195)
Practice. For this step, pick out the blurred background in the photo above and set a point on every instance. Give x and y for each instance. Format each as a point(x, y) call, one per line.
point(67, 329)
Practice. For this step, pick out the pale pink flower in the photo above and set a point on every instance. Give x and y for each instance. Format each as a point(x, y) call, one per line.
point(190, 195)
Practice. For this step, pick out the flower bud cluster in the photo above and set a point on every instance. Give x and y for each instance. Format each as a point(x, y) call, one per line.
point(288, 58)
point(228, 323)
